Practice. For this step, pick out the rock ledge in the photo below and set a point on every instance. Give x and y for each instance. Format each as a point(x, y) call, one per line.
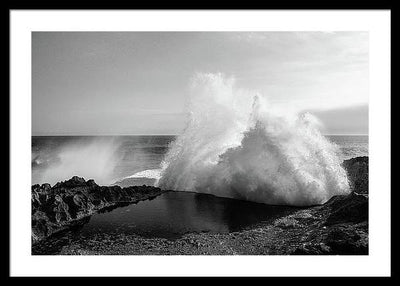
point(68, 203)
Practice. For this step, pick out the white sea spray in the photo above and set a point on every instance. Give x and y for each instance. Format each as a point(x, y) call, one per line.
point(237, 145)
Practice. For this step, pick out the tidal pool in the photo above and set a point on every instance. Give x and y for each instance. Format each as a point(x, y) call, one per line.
point(169, 216)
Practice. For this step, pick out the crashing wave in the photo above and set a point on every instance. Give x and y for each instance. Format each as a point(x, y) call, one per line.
point(237, 145)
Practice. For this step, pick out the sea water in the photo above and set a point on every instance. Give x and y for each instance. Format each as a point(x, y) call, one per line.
point(133, 160)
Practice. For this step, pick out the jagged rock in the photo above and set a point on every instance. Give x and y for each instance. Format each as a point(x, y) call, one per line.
point(312, 249)
point(347, 239)
point(351, 208)
point(357, 172)
point(340, 239)
point(61, 206)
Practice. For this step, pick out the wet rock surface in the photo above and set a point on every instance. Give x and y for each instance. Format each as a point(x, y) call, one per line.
point(340, 226)
point(357, 172)
point(68, 203)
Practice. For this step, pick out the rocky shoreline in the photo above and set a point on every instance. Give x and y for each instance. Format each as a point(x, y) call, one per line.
point(68, 203)
point(340, 226)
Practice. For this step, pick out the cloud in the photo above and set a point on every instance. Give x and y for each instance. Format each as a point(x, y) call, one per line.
point(350, 120)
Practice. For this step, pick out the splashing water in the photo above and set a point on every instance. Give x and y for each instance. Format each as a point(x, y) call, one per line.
point(91, 159)
point(236, 145)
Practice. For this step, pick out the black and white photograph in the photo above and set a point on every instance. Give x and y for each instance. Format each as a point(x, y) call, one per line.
point(206, 143)
point(200, 143)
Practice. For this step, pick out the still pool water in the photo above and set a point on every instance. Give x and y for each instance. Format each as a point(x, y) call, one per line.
point(170, 216)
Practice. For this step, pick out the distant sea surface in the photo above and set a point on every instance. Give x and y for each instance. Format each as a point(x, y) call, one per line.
point(125, 160)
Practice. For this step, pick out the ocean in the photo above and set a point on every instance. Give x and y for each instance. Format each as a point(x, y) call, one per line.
point(136, 160)
point(126, 160)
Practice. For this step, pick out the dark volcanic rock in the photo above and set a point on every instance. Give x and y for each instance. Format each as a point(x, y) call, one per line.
point(351, 208)
point(66, 203)
point(348, 239)
point(342, 227)
point(357, 172)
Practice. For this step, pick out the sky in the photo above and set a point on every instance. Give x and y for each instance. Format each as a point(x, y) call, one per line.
point(114, 83)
